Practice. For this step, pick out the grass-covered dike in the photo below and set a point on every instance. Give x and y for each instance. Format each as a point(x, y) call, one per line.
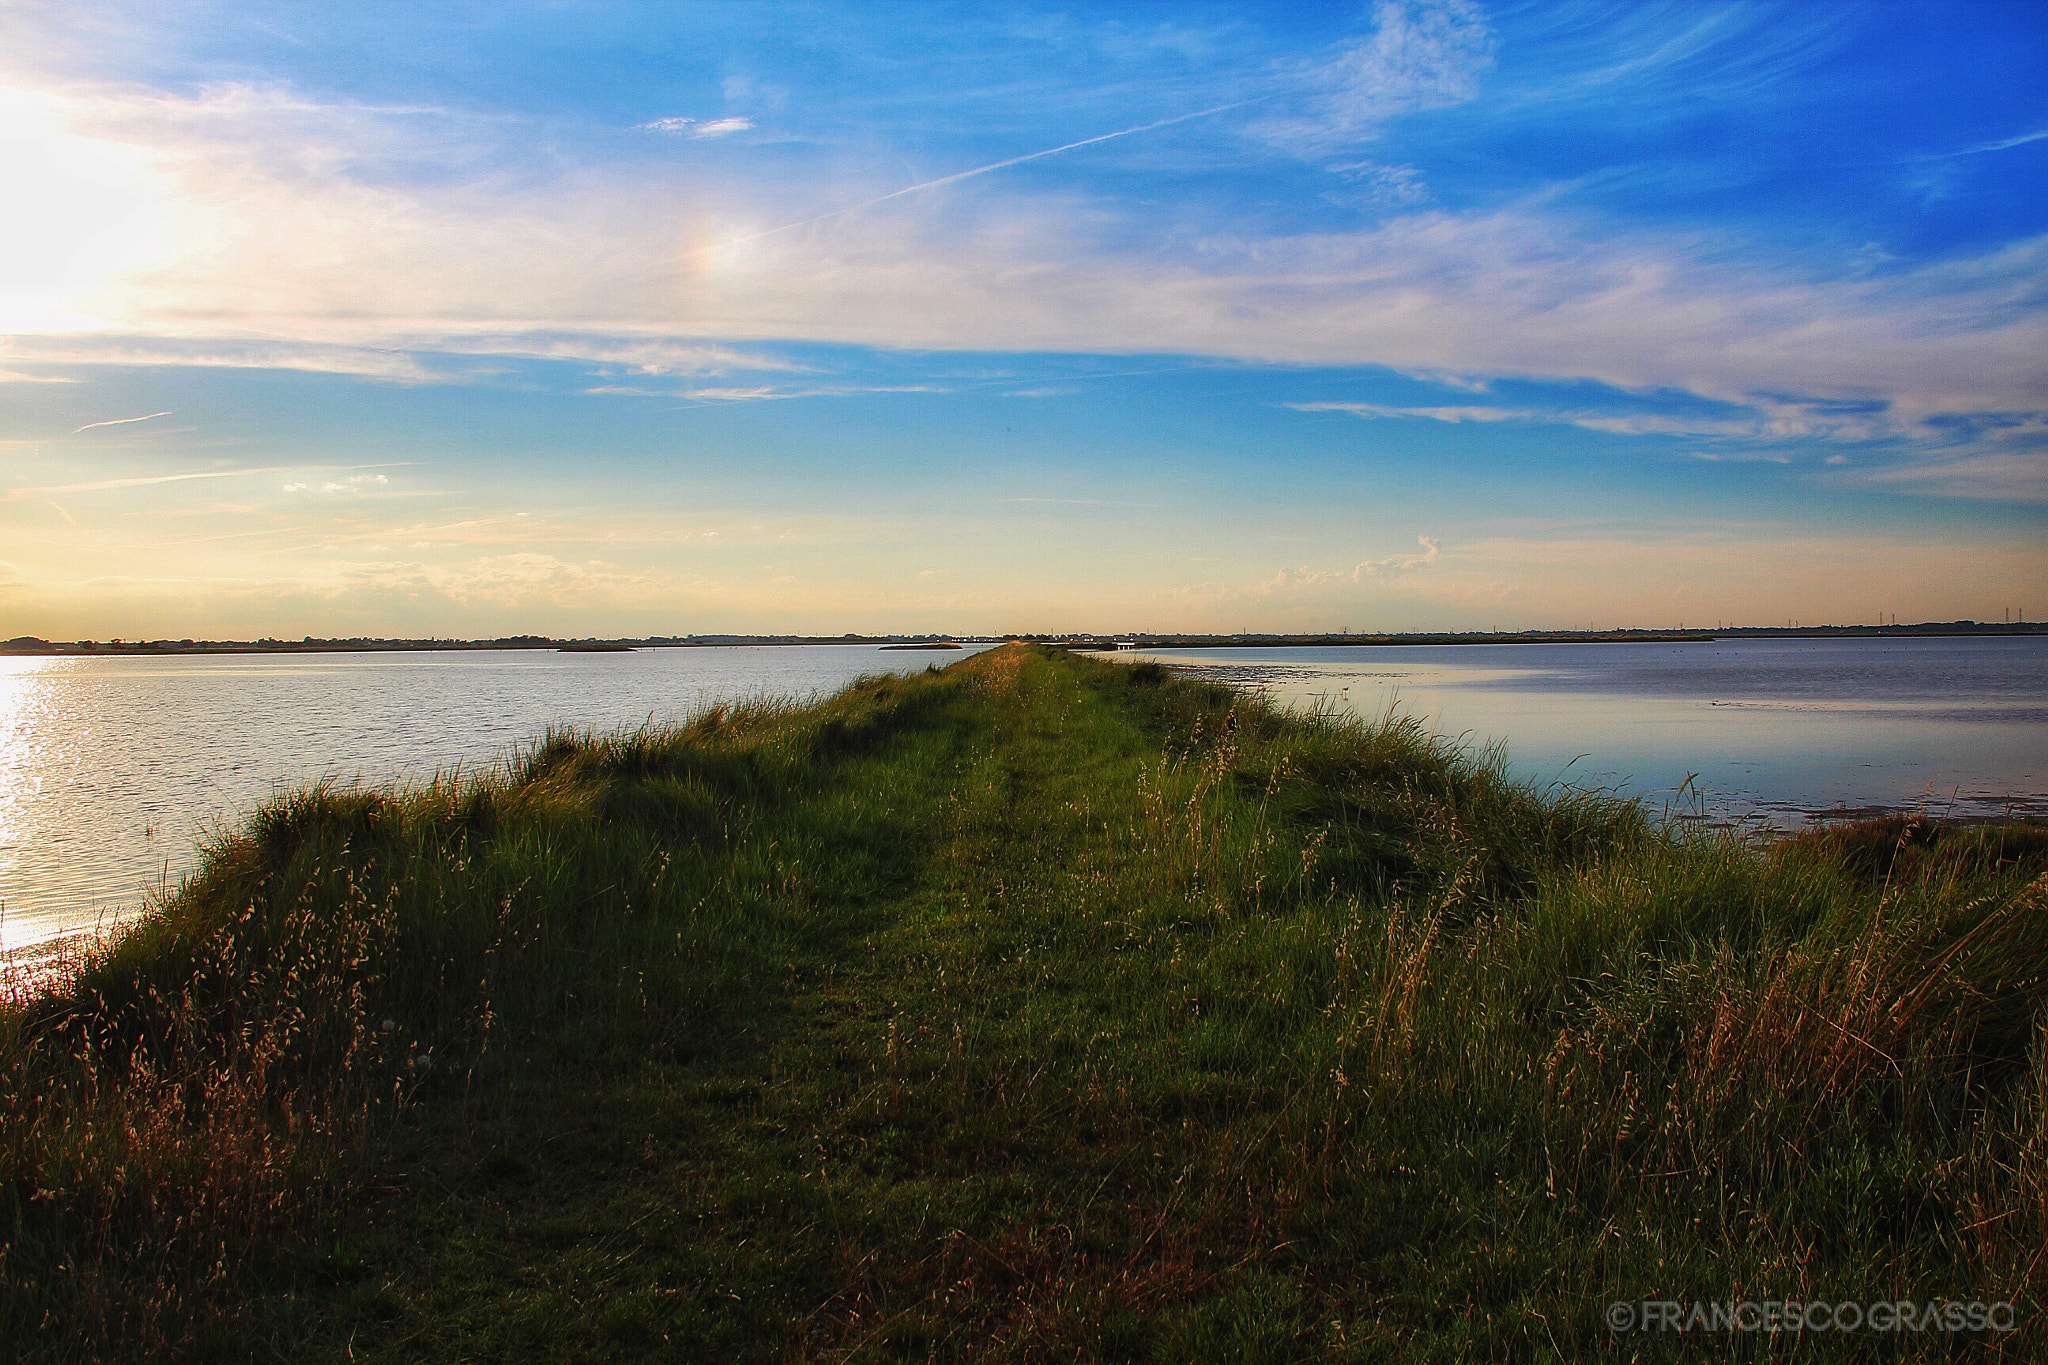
point(1039, 1008)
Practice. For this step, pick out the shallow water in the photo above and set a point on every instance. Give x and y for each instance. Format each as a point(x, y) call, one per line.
point(1772, 731)
point(113, 769)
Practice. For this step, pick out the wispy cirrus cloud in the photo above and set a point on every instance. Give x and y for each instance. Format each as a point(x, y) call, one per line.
point(417, 243)
point(376, 277)
point(1765, 420)
point(347, 275)
point(1996, 145)
point(403, 357)
point(698, 128)
point(215, 353)
point(757, 393)
point(323, 235)
point(767, 392)
point(2010, 476)
point(1420, 54)
point(644, 355)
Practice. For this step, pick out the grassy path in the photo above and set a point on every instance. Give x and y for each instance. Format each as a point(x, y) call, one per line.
point(935, 1144)
point(1041, 1009)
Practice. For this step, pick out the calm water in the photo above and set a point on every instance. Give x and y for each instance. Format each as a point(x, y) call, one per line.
point(1776, 731)
point(111, 770)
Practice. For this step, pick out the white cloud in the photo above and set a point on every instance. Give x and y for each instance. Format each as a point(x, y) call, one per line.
point(750, 395)
point(1377, 185)
point(1422, 54)
point(1291, 580)
point(320, 252)
point(1395, 565)
point(2001, 145)
point(641, 355)
point(1766, 420)
point(2013, 476)
point(1462, 413)
point(707, 128)
point(213, 353)
point(398, 359)
point(738, 395)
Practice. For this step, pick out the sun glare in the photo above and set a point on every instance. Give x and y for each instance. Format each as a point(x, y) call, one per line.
point(87, 211)
point(17, 782)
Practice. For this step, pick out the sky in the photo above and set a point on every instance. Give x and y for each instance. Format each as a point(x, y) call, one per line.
point(578, 318)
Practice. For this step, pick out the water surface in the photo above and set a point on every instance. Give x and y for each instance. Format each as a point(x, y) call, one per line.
point(1773, 731)
point(113, 769)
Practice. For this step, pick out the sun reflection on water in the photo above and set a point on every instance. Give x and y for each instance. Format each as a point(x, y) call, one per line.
point(21, 783)
point(114, 769)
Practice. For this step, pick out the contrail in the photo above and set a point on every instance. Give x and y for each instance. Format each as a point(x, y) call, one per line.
point(2001, 145)
point(121, 421)
point(107, 485)
point(2004, 143)
point(992, 166)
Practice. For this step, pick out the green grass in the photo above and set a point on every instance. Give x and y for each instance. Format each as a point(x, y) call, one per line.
point(1040, 1008)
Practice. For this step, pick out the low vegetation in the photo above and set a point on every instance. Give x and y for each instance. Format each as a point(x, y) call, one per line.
point(1039, 1008)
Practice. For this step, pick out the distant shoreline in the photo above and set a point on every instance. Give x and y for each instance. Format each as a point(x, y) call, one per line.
point(30, 646)
point(124, 649)
point(1932, 630)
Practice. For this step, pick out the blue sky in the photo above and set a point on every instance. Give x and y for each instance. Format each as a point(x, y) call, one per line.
point(593, 318)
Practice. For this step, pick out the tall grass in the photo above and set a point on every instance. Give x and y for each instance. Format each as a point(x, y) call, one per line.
point(349, 953)
point(1039, 1008)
